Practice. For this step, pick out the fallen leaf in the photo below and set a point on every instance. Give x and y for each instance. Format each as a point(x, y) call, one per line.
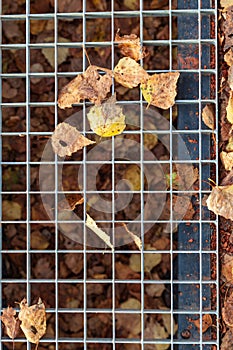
point(228, 28)
point(130, 323)
point(66, 140)
point(129, 73)
point(167, 323)
point(225, 3)
point(230, 78)
point(229, 108)
point(100, 233)
point(36, 68)
point(183, 177)
point(227, 159)
point(131, 303)
point(160, 89)
point(135, 238)
point(220, 201)
point(154, 330)
point(206, 322)
point(130, 46)
point(88, 85)
point(10, 322)
point(150, 140)
point(11, 210)
point(70, 202)
point(227, 311)
point(133, 175)
point(208, 116)
point(226, 343)
point(33, 320)
point(229, 146)
point(155, 290)
point(62, 52)
point(69, 6)
point(228, 57)
point(131, 4)
point(37, 26)
point(107, 119)
point(39, 240)
point(227, 268)
point(150, 260)
point(8, 91)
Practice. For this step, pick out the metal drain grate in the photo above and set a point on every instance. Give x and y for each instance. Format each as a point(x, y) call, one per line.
point(186, 278)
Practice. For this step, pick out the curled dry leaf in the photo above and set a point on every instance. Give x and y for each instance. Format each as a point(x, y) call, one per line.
point(227, 311)
point(130, 46)
point(160, 89)
point(89, 85)
point(33, 320)
point(129, 73)
point(10, 322)
point(107, 119)
point(135, 238)
point(227, 159)
point(226, 343)
point(220, 201)
point(206, 322)
point(229, 108)
point(66, 140)
point(100, 233)
point(228, 57)
point(227, 268)
point(208, 116)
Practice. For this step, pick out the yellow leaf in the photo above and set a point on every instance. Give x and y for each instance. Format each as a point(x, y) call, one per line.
point(230, 108)
point(107, 119)
point(160, 89)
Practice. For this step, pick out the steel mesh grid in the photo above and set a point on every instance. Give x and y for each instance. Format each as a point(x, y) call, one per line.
point(200, 9)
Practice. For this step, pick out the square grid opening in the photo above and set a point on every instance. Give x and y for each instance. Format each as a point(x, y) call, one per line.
point(95, 297)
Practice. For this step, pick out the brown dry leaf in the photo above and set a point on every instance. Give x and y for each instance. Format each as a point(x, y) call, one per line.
point(129, 73)
point(230, 77)
point(227, 311)
point(154, 330)
point(229, 146)
point(90, 223)
point(66, 140)
point(228, 27)
point(225, 3)
point(10, 322)
point(228, 57)
point(37, 26)
point(33, 320)
point(160, 89)
point(11, 210)
point(226, 343)
point(227, 268)
point(150, 260)
point(206, 322)
point(131, 303)
point(135, 238)
point(220, 201)
point(208, 116)
point(130, 46)
point(227, 159)
point(88, 85)
point(184, 176)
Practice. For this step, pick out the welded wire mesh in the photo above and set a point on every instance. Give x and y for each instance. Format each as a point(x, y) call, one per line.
point(188, 243)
